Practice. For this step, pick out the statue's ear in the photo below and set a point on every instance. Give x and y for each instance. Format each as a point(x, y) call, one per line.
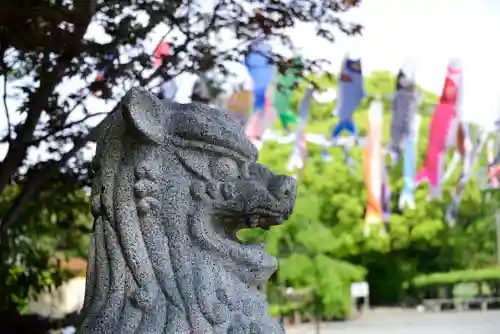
point(145, 113)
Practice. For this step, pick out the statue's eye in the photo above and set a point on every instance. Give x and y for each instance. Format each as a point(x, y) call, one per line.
point(225, 168)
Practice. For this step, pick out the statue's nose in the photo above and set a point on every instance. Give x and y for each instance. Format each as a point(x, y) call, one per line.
point(283, 187)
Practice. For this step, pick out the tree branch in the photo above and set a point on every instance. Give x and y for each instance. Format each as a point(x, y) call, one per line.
point(33, 186)
point(5, 72)
point(6, 107)
point(66, 126)
point(39, 99)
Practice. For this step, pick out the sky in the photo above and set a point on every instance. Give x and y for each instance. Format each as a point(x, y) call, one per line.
point(428, 32)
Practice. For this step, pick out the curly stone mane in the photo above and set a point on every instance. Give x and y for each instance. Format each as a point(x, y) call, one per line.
point(172, 185)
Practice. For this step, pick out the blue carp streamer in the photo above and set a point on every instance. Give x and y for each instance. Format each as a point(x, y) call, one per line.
point(260, 67)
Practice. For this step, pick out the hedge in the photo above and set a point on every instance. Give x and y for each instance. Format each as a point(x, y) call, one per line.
point(455, 277)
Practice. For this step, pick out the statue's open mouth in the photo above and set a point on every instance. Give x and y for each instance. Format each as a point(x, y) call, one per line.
point(262, 220)
point(228, 223)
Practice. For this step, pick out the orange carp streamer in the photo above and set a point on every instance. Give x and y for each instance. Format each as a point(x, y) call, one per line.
point(373, 165)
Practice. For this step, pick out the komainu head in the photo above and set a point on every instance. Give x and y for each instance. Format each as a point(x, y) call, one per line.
point(173, 184)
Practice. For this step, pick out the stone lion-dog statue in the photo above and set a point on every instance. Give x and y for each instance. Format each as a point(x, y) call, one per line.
point(172, 185)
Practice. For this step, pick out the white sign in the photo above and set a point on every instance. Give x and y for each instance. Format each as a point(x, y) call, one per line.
point(360, 289)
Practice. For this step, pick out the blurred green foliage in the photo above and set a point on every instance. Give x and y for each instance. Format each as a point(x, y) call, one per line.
point(457, 276)
point(57, 224)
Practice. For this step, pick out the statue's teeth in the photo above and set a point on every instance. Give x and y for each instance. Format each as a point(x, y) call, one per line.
point(253, 221)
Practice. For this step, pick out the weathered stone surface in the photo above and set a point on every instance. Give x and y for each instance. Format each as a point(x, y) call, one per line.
point(173, 183)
